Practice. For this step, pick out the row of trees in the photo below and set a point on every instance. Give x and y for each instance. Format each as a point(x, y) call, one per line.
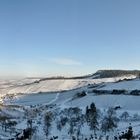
point(75, 119)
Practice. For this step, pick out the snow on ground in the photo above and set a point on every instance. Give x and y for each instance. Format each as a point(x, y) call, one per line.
point(126, 102)
point(33, 86)
point(127, 85)
point(106, 101)
point(16, 82)
point(34, 99)
point(65, 99)
point(68, 98)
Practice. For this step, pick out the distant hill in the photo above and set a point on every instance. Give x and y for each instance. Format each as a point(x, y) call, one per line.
point(115, 73)
point(97, 75)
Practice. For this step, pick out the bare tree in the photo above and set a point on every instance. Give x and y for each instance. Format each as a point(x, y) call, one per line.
point(110, 121)
point(48, 120)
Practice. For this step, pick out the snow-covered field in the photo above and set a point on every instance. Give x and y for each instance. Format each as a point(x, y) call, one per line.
point(131, 103)
point(127, 85)
point(35, 98)
point(36, 86)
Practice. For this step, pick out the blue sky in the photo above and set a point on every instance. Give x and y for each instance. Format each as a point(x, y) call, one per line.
point(68, 37)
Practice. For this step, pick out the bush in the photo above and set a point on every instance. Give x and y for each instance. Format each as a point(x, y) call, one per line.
point(118, 92)
point(135, 92)
point(82, 94)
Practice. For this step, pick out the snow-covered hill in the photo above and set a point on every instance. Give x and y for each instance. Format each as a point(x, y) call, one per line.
point(127, 85)
point(116, 73)
point(52, 85)
point(40, 95)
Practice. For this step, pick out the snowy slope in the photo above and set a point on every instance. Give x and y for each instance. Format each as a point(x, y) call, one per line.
point(127, 85)
point(43, 102)
point(105, 101)
point(33, 86)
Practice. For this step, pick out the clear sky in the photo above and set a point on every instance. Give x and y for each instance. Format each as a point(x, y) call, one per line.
point(60, 37)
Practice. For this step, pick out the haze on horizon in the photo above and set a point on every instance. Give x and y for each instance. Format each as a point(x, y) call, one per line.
point(73, 37)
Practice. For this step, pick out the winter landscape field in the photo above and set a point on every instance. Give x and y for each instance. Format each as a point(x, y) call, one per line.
point(90, 107)
point(69, 69)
